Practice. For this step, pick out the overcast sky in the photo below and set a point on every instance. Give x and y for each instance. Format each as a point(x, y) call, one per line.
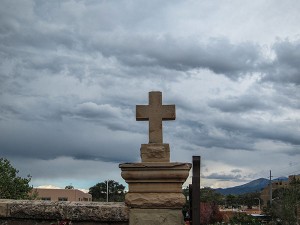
point(71, 73)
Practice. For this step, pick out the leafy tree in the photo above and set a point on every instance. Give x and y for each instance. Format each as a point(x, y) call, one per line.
point(284, 205)
point(12, 186)
point(208, 194)
point(248, 199)
point(209, 213)
point(186, 206)
point(231, 200)
point(242, 218)
point(115, 191)
point(209, 201)
point(69, 187)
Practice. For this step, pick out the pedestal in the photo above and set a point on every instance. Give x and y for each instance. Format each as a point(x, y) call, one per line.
point(155, 217)
point(155, 192)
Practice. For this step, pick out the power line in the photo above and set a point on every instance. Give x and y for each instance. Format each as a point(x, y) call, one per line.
point(287, 173)
point(271, 187)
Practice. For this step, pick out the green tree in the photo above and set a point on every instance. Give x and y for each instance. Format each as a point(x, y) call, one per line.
point(284, 205)
point(231, 200)
point(242, 218)
point(12, 186)
point(248, 199)
point(208, 194)
point(69, 186)
point(209, 201)
point(115, 191)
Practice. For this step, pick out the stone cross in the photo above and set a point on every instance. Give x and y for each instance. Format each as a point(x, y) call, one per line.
point(155, 112)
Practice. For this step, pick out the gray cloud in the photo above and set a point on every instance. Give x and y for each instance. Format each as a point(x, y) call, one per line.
point(241, 104)
point(273, 131)
point(236, 171)
point(71, 73)
point(224, 177)
point(285, 68)
point(219, 55)
point(210, 136)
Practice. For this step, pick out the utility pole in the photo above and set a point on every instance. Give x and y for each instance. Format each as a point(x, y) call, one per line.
point(107, 191)
point(270, 188)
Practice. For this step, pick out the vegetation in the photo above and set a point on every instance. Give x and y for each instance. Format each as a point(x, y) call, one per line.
point(283, 211)
point(249, 200)
point(69, 187)
point(284, 205)
point(243, 219)
point(210, 195)
point(115, 191)
point(229, 201)
point(209, 201)
point(209, 213)
point(12, 186)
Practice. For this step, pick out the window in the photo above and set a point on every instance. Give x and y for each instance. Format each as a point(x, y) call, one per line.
point(46, 198)
point(62, 199)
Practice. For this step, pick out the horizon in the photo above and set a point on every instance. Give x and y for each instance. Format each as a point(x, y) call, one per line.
point(183, 187)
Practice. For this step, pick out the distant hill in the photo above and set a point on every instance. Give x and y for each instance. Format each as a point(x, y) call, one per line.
point(253, 186)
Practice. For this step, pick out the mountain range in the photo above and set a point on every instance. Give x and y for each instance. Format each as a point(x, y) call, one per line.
point(253, 186)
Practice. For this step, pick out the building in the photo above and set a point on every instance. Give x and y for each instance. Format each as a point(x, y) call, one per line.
point(62, 195)
point(265, 193)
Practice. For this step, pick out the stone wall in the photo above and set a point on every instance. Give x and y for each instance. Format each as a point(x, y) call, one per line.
point(26, 212)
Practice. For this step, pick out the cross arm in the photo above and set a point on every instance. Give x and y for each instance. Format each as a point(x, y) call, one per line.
point(169, 112)
point(142, 113)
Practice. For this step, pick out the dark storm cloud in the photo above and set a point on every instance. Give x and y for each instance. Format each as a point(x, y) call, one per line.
point(92, 110)
point(45, 141)
point(135, 50)
point(212, 137)
point(218, 55)
point(224, 177)
point(286, 66)
point(233, 131)
point(261, 130)
point(240, 104)
point(146, 50)
point(114, 118)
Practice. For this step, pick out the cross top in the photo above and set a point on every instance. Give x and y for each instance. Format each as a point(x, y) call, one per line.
point(155, 112)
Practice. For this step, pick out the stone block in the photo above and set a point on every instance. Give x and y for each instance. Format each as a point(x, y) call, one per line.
point(74, 211)
point(155, 200)
point(155, 152)
point(155, 217)
point(164, 172)
point(4, 204)
point(151, 187)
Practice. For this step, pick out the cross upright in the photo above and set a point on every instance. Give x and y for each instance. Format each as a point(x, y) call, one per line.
point(155, 112)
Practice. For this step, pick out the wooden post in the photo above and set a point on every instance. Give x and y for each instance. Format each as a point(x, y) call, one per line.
point(196, 191)
point(191, 202)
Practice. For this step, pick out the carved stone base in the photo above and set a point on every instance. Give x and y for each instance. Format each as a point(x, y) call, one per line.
point(155, 200)
point(155, 217)
point(155, 185)
point(155, 190)
point(155, 153)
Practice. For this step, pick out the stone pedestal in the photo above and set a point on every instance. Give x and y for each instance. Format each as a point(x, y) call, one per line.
point(155, 187)
point(155, 217)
